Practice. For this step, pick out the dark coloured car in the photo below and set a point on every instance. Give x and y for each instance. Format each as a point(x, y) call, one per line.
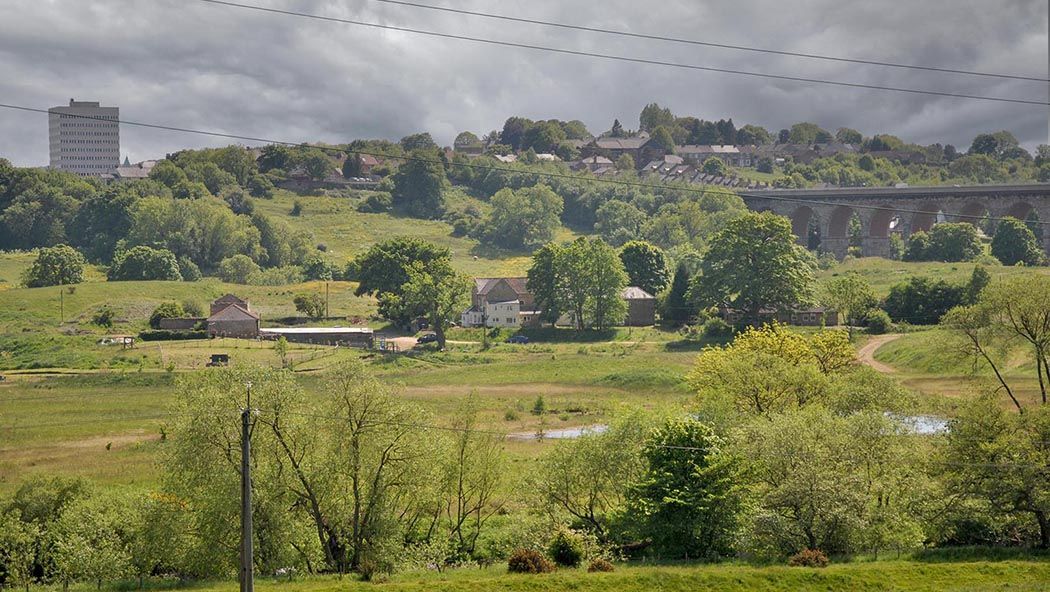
point(427, 338)
point(518, 339)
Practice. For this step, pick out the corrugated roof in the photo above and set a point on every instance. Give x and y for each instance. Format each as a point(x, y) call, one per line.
point(635, 293)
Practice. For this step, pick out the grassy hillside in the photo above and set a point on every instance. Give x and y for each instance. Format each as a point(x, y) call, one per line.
point(884, 273)
point(336, 223)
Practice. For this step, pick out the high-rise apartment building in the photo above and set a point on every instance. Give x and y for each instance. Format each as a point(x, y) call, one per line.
point(84, 138)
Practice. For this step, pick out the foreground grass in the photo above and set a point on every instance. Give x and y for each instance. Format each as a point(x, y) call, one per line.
point(969, 576)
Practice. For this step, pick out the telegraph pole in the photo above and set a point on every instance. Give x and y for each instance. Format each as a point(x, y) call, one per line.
point(247, 580)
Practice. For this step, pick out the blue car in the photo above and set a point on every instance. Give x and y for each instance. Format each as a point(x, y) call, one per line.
point(518, 339)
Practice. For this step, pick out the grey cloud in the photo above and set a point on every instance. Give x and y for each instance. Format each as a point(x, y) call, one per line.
point(185, 63)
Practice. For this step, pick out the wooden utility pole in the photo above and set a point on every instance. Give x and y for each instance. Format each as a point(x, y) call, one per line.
point(61, 304)
point(247, 579)
point(327, 313)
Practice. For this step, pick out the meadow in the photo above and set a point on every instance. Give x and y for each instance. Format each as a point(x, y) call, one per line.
point(72, 406)
point(918, 575)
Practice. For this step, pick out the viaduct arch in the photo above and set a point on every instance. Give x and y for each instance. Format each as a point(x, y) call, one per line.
point(883, 211)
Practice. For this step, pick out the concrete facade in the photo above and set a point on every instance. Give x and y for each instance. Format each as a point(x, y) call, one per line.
point(883, 211)
point(84, 138)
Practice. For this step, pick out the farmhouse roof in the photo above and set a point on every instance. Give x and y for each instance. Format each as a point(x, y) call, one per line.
point(635, 293)
point(485, 285)
point(233, 312)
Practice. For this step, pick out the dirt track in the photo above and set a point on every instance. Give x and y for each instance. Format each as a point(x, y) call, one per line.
point(866, 354)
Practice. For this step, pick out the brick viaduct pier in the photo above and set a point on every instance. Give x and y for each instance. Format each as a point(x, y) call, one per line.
point(883, 211)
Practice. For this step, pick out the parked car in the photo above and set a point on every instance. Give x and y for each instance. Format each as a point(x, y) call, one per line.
point(427, 338)
point(517, 339)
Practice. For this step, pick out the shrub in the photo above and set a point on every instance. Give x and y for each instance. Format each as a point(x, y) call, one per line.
point(566, 548)
point(165, 335)
point(716, 328)
point(189, 270)
point(528, 561)
point(297, 208)
point(809, 558)
point(511, 415)
point(238, 269)
point(103, 317)
point(878, 322)
point(539, 407)
point(598, 564)
point(167, 310)
point(376, 203)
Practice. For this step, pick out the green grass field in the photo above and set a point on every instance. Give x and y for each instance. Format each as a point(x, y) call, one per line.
point(883, 576)
point(884, 273)
point(336, 223)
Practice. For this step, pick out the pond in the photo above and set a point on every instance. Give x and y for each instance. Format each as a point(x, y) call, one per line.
point(923, 425)
point(560, 434)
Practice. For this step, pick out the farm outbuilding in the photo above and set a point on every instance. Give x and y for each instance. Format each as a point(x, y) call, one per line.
point(345, 336)
point(641, 307)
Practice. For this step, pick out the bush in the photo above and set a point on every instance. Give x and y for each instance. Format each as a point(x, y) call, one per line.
point(165, 335)
point(809, 558)
point(598, 565)
point(716, 328)
point(103, 317)
point(878, 322)
point(143, 263)
point(238, 269)
point(529, 562)
point(167, 310)
point(189, 270)
point(376, 203)
point(566, 548)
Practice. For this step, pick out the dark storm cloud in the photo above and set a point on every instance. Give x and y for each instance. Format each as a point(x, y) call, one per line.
point(186, 63)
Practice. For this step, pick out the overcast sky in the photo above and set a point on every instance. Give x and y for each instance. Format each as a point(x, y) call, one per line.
point(191, 64)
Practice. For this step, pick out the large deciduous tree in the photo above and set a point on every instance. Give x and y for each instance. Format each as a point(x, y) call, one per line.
point(853, 296)
point(438, 291)
point(420, 184)
point(382, 270)
point(646, 266)
point(690, 499)
point(523, 218)
point(145, 263)
point(1014, 242)
point(754, 264)
point(55, 266)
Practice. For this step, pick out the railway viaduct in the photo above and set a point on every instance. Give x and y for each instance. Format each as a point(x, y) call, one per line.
point(821, 217)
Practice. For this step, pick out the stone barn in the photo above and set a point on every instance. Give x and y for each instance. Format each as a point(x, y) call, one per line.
point(641, 307)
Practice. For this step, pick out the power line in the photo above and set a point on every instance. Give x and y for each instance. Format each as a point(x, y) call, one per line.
point(623, 33)
point(702, 190)
point(620, 58)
